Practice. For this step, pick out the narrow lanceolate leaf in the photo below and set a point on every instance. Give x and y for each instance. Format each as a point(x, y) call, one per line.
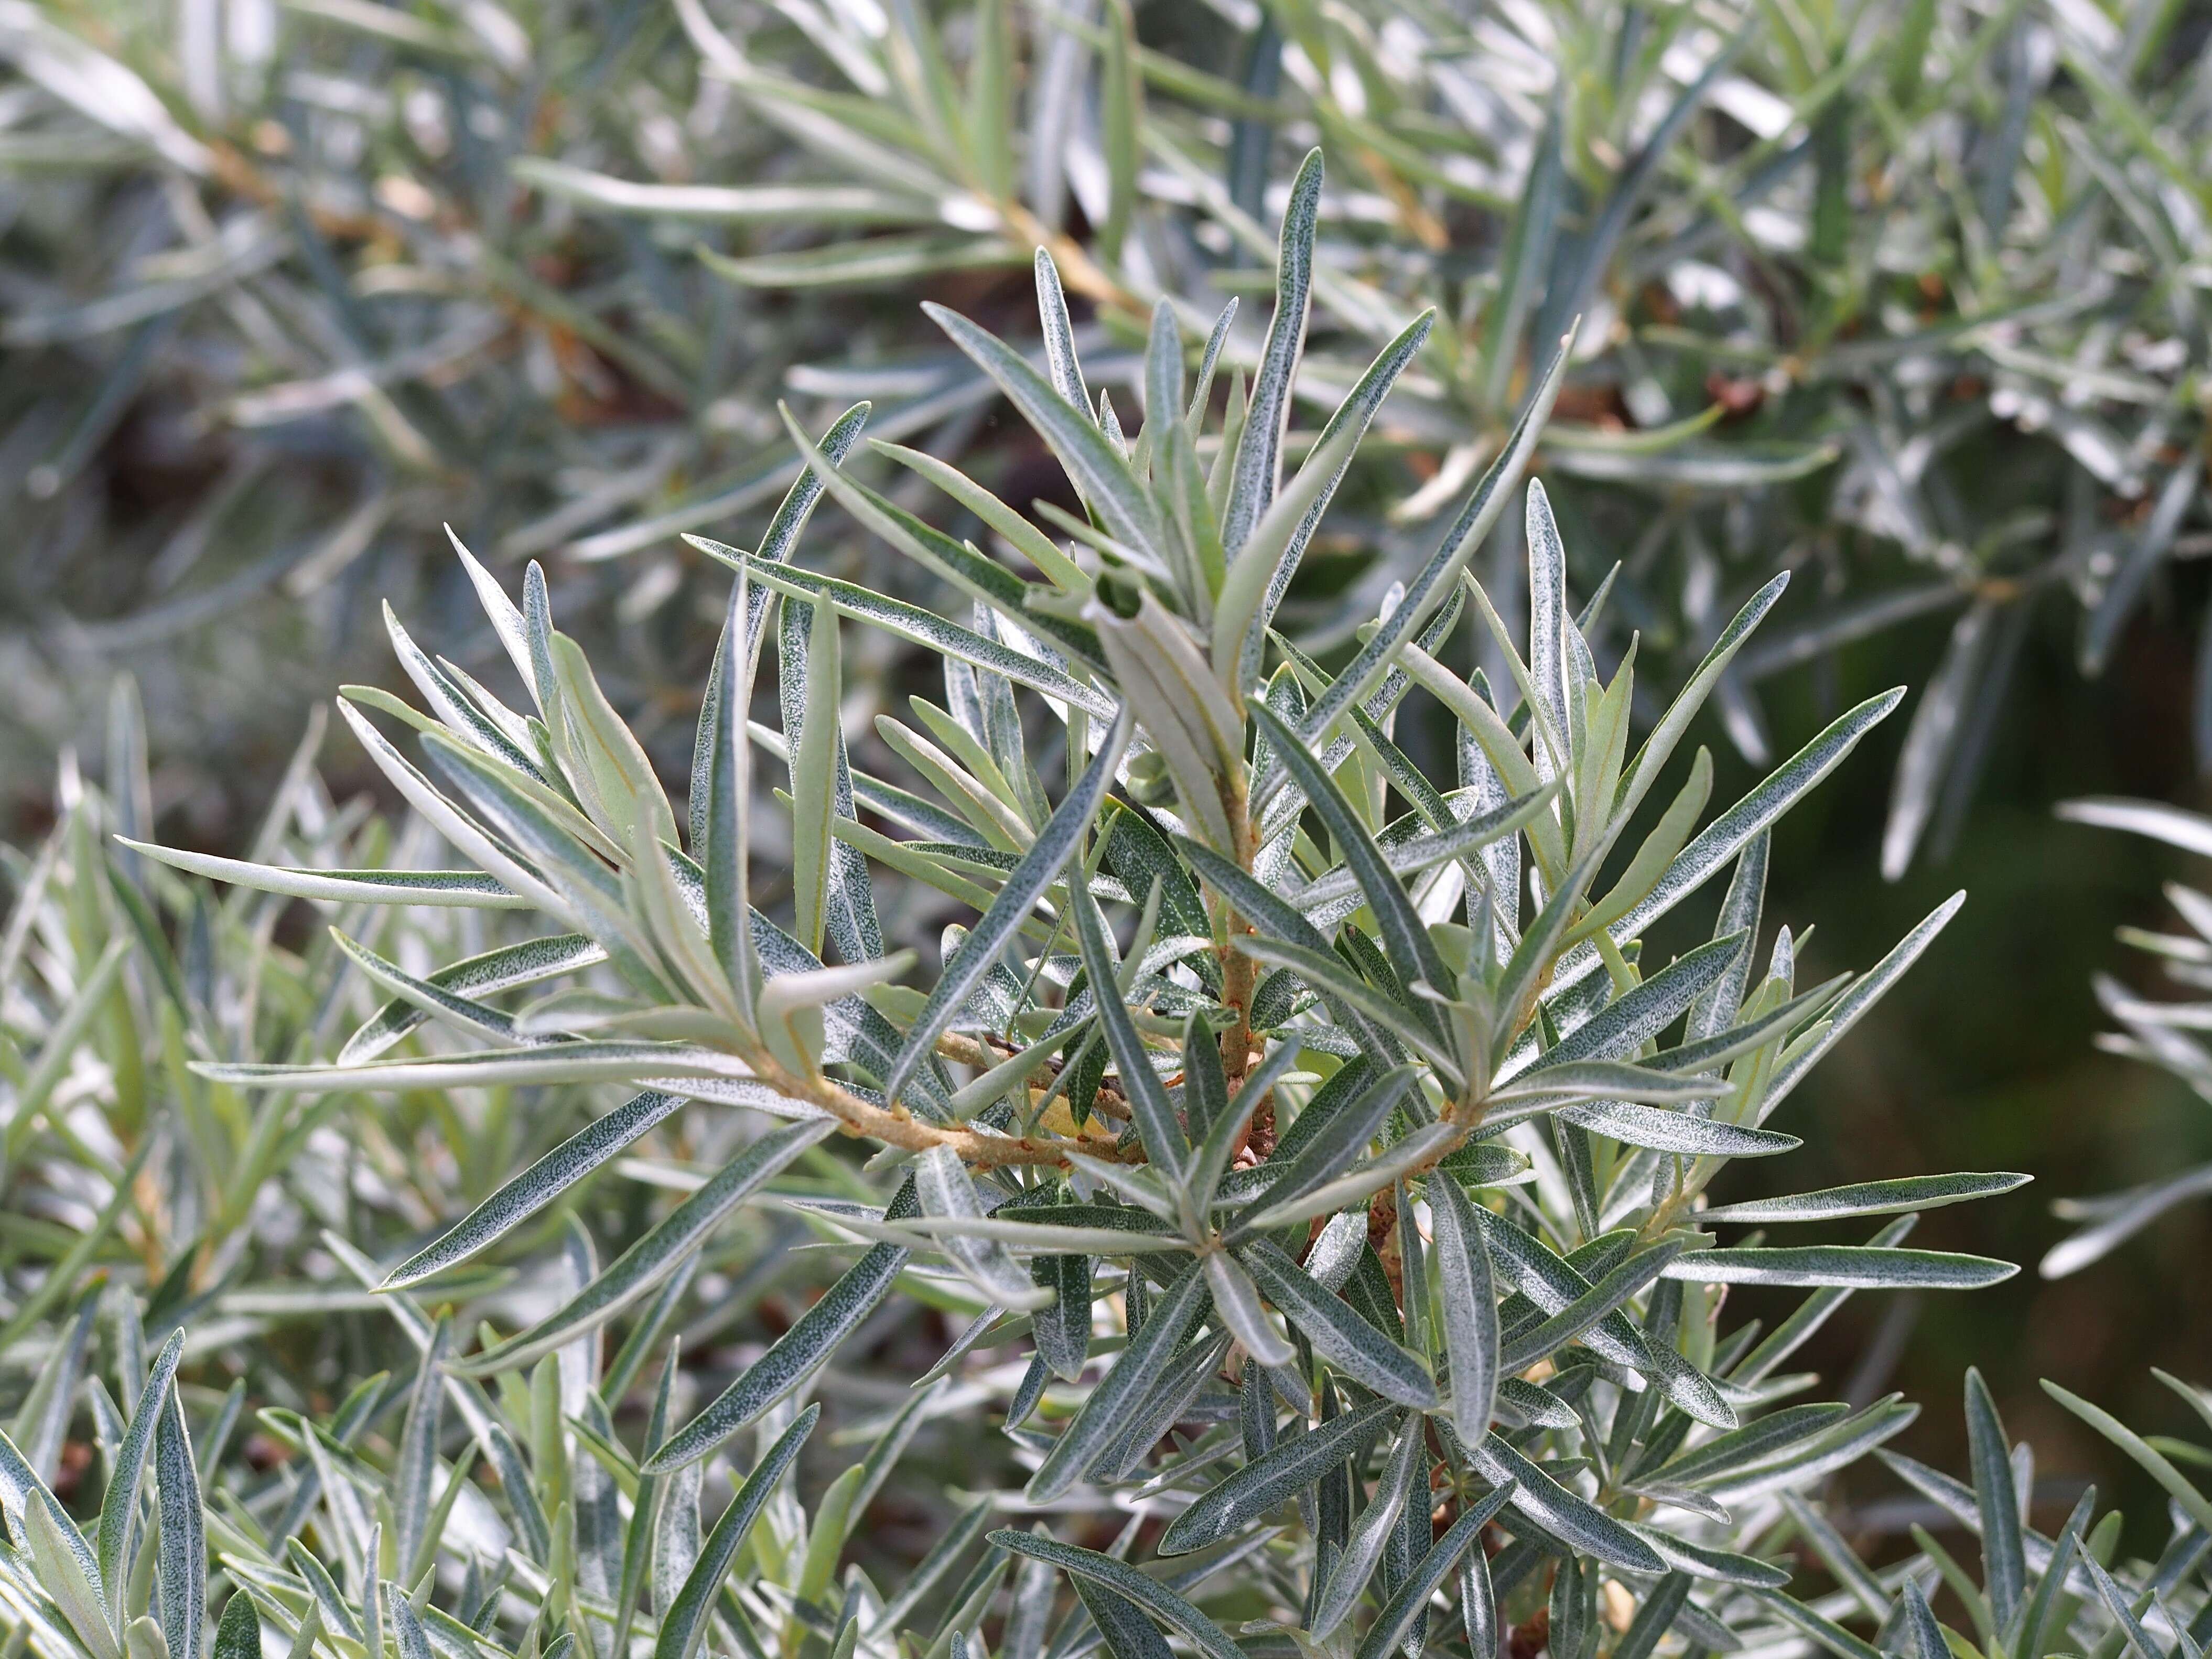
point(1412, 953)
point(1166, 1605)
point(474, 978)
point(1663, 1130)
point(118, 1510)
point(794, 1356)
point(1363, 1550)
point(657, 1255)
point(1166, 1147)
point(2004, 1558)
point(1755, 1443)
point(183, 1550)
point(683, 1626)
point(1467, 1298)
point(1411, 1596)
point(2147, 1456)
point(1348, 1342)
point(1867, 990)
point(1025, 885)
point(1868, 1198)
point(1094, 462)
point(1571, 1519)
point(1278, 546)
point(1122, 1392)
point(1429, 587)
point(1719, 841)
point(465, 889)
point(416, 1470)
point(1258, 467)
point(813, 782)
point(942, 1184)
point(1266, 1483)
point(1855, 1267)
point(559, 1170)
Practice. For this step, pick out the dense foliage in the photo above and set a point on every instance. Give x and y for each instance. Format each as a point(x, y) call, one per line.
point(1376, 1158)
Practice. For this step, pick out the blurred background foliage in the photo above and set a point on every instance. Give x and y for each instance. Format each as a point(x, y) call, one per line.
point(1909, 296)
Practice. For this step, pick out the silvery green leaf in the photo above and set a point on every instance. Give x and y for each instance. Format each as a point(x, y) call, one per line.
point(1163, 1603)
point(793, 1357)
point(463, 1013)
point(465, 889)
point(416, 1468)
point(683, 1626)
point(942, 1184)
point(860, 205)
point(1408, 1156)
point(1552, 1284)
point(1095, 464)
point(1127, 1633)
point(1121, 1391)
point(183, 1545)
point(1856, 1267)
point(1266, 910)
point(1892, 1197)
point(1258, 467)
point(1060, 364)
point(1727, 835)
point(1236, 1300)
point(1623, 1025)
point(1728, 1566)
point(1525, 255)
point(725, 852)
point(1348, 1342)
point(1408, 1603)
point(813, 791)
point(660, 1253)
point(2146, 1456)
point(556, 1173)
point(118, 1507)
point(1927, 1636)
point(1682, 1132)
point(1268, 1482)
point(1822, 1629)
point(1039, 868)
point(1424, 852)
point(1349, 1574)
point(2005, 1561)
point(501, 969)
point(1467, 1300)
point(560, 1062)
point(1334, 979)
point(1559, 1511)
point(1644, 771)
point(1598, 1079)
point(1756, 1443)
point(1327, 1153)
point(1241, 613)
point(1166, 1148)
point(1576, 1319)
point(1547, 614)
point(1429, 587)
point(1412, 953)
point(1741, 906)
